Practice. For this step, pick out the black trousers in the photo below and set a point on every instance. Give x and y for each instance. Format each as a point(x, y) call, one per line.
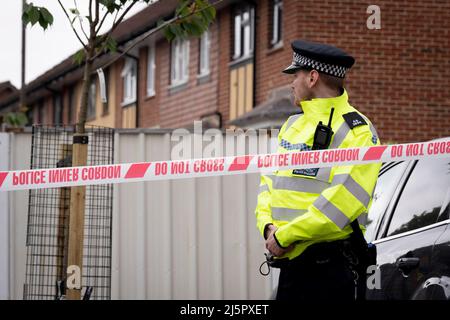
point(322, 272)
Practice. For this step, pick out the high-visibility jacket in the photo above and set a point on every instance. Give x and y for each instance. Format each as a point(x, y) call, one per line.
point(318, 205)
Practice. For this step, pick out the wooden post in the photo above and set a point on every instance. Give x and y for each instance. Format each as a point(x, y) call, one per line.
point(65, 157)
point(76, 222)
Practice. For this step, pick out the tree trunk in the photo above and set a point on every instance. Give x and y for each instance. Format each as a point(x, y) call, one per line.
point(85, 91)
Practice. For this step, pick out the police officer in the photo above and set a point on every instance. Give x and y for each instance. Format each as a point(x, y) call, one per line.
point(305, 215)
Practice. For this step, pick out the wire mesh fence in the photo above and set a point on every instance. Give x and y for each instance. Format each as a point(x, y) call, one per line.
point(48, 217)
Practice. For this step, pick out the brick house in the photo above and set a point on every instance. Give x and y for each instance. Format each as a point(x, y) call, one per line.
point(232, 75)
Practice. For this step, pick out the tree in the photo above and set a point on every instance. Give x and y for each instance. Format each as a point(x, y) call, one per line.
point(192, 18)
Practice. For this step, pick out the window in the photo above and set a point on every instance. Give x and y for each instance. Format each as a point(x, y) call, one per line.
point(179, 62)
point(384, 189)
point(422, 199)
point(30, 117)
point(151, 71)
point(91, 99)
point(277, 22)
point(41, 112)
point(57, 109)
point(204, 54)
point(243, 32)
point(128, 74)
point(70, 105)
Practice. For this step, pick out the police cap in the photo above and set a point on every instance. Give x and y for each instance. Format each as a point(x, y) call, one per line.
point(321, 57)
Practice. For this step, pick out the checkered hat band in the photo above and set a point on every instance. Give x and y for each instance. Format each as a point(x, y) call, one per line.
point(333, 70)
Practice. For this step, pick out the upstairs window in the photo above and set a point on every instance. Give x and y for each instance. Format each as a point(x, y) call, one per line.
point(71, 105)
point(151, 71)
point(243, 32)
point(128, 74)
point(92, 99)
point(276, 22)
point(204, 54)
point(179, 71)
point(57, 109)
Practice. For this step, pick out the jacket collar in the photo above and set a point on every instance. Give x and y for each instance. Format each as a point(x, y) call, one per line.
point(322, 106)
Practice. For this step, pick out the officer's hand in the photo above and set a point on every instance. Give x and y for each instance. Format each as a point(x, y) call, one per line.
point(273, 247)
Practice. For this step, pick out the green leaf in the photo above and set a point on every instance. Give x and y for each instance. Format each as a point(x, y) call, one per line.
point(183, 8)
point(110, 5)
point(42, 22)
point(177, 30)
point(16, 119)
point(168, 33)
point(21, 119)
point(78, 57)
point(25, 18)
point(74, 11)
point(47, 15)
point(33, 15)
point(209, 14)
point(111, 44)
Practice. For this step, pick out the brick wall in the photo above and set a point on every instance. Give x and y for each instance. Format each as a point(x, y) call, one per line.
point(223, 19)
point(175, 107)
point(148, 106)
point(400, 79)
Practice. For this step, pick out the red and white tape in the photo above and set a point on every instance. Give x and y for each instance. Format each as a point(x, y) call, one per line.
point(220, 166)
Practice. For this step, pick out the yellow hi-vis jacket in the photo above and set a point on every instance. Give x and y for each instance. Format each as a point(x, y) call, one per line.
point(318, 205)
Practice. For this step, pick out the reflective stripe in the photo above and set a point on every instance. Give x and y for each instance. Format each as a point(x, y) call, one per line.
point(291, 120)
point(263, 188)
point(286, 214)
point(331, 211)
point(363, 219)
point(371, 126)
point(351, 185)
point(340, 135)
point(299, 184)
point(324, 174)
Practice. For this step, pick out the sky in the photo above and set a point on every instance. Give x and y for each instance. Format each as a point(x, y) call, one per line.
point(44, 49)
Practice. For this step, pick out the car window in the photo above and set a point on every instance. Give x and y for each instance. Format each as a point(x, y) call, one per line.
point(385, 187)
point(422, 199)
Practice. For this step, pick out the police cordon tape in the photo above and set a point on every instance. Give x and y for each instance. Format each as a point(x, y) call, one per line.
point(218, 166)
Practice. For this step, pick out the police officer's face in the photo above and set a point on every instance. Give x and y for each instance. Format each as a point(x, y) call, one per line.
point(304, 81)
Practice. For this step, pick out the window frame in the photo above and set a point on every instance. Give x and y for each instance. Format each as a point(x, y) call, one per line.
point(58, 97)
point(381, 232)
point(382, 215)
point(277, 28)
point(70, 104)
point(41, 112)
point(129, 79)
point(243, 30)
point(204, 54)
point(91, 112)
point(179, 62)
point(151, 68)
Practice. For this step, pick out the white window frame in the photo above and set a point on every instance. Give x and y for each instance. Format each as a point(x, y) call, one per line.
point(244, 30)
point(151, 66)
point(277, 33)
point(179, 62)
point(204, 54)
point(92, 100)
point(129, 75)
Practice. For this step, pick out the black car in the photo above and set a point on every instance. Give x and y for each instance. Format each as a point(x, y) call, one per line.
point(410, 224)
